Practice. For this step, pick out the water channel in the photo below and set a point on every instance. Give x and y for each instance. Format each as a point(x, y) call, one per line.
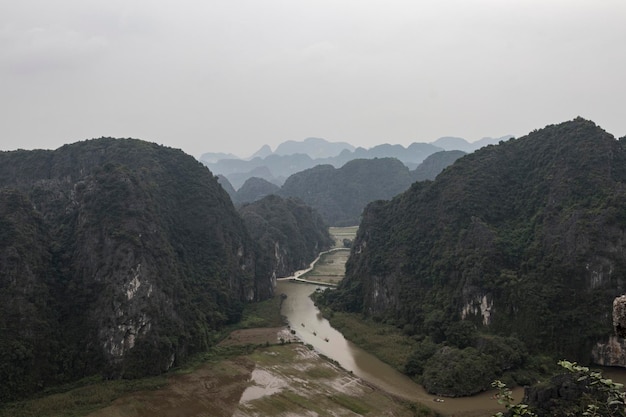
point(315, 330)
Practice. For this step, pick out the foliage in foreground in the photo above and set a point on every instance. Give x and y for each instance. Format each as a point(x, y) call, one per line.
point(591, 395)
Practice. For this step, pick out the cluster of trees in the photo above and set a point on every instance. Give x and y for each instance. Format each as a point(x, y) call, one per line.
point(122, 258)
point(519, 240)
point(341, 194)
point(289, 234)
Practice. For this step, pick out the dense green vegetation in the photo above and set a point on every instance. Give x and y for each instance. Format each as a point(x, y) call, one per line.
point(340, 195)
point(288, 160)
point(434, 164)
point(579, 391)
point(254, 189)
point(512, 253)
point(290, 234)
point(81, 397)
point(118, 258)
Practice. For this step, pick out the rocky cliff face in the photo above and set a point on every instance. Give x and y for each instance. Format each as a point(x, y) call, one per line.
point(130, 255)
point(289, 233)
point(612, 352)
point(525, 237)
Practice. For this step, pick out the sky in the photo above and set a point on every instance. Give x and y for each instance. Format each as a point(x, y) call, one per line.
point(233, 75)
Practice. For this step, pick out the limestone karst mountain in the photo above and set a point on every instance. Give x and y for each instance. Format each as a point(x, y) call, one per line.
point(520, 243)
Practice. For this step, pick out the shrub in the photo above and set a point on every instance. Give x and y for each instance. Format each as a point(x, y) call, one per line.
point(456, 372)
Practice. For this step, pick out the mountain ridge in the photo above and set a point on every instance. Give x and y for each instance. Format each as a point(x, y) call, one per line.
point(524, 239)
point(119, 257)
point(293, 157)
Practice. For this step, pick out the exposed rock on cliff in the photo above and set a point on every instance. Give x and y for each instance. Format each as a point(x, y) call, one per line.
point(289, 233)
point(118, 256)
point(619, 315)
point(526, 237)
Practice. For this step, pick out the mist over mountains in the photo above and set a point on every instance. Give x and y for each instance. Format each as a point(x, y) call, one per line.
point(515, 249)
point(292, 156)
point(341, 194)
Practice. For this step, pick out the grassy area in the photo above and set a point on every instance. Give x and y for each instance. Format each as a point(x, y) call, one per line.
point(263, 314)
point(341, 233)
point(329, 268)
point(386, 342)
point(291, 380)
point(315, 385)
point(88, 395)
point(80, 401)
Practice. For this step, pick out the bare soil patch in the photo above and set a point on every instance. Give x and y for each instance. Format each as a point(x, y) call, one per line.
point(266, 335)
point(281, 380)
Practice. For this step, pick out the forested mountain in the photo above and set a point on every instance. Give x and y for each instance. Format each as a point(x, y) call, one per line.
point(516, 246)
point(339, 195)
point(116, 256)
point(291, 157)
point(254, 189)
point(276, 168)
point(434, 164)
point(273, 168)
point(227, 186)
point(290, 234)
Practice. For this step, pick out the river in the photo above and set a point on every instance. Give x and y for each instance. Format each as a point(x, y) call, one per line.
point(313, 329)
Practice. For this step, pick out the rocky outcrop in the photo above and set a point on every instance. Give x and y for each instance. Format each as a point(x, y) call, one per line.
point(138, 259)
point(290, 234)
point(525, 237)
point(610, 353)
point(613, 351)
point(619, 315)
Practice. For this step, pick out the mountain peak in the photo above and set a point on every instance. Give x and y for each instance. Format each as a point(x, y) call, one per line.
point(314, 147)
point(263, 152)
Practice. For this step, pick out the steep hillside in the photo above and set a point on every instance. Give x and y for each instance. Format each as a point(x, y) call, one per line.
point(434, 164)
point(276, 167)
point(289, 233)
point(29, 322)
point(254, 189)
point(227, 186)
point(525, 238)
point(119, 257)
point(339, 195)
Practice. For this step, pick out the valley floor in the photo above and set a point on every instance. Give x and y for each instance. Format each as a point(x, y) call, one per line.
point(282, 379)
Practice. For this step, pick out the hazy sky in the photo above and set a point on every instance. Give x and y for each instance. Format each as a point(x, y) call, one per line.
point(232, 75)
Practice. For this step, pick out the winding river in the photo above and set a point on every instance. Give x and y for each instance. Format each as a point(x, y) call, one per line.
point(315, 330)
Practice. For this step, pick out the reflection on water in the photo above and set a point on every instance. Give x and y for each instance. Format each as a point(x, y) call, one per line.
point(313, 329)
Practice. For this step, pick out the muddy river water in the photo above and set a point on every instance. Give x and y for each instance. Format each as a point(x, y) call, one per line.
point(313, 329)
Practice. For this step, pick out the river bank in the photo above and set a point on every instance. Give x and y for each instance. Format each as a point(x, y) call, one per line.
point(283, 379)
point(256, 371)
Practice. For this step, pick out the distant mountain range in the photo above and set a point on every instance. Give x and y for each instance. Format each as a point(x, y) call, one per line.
point(340, 194)
point(293, 156)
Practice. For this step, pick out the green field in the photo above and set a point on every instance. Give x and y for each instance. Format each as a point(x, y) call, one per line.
point(341, 233)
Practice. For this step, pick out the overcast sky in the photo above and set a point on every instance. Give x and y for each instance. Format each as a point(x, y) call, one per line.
point(233, 75)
